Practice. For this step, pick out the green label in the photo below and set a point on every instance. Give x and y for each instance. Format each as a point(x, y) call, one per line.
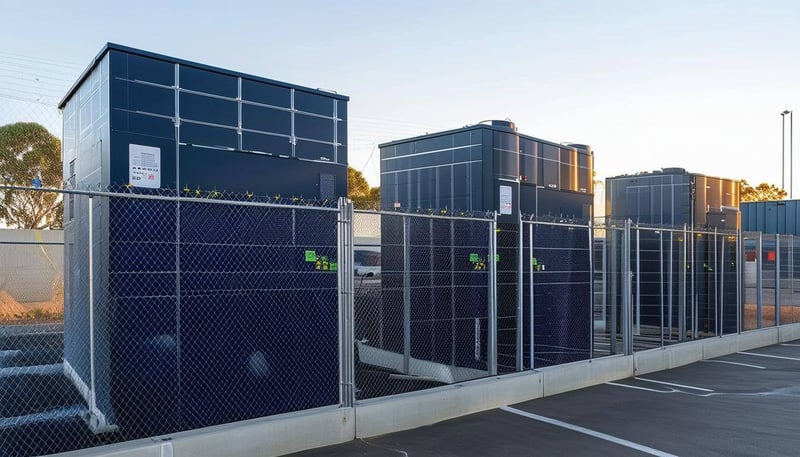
point(473, 258)
point(311, 256)
point(534, 261)
point(497, 257)
point(334, 266)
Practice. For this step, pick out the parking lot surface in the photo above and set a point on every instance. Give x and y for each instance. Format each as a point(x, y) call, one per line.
point(743, 404)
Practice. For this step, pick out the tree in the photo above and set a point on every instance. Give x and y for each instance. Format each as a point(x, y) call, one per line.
point(30, 156)
point(761, 192)
point(358, 190)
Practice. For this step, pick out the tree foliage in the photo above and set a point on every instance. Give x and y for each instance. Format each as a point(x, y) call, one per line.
point(28, 154)
point(358, 190)
point(761, 192)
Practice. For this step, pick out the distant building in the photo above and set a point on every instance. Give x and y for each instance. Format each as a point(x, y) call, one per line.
point(775, 217)
point(674, 197)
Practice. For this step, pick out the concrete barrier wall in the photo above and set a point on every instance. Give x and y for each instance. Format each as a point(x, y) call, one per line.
point(789, 332)
point(415, 409)
point(667, 357)
point(563, 378)
point(299, 431)
point(273, 436)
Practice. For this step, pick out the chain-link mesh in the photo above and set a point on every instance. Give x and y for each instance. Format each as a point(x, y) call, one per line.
point(557, 285)
point(421, 301)
point(180, 314)
point(183, 311)
point(665, 285)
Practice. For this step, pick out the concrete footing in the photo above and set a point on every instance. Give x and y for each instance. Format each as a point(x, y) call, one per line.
point(295, 432)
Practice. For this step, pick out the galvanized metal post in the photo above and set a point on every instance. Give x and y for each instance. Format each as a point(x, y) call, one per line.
point(759, 280)
point(492, 311)
point(638, 325)
point(345, 274)
point(616, 278)
point(92, 396)
point(670, 275)
point(722, 287)
point(661, 284)
point(693, 260)
point(682, 300)
point(739, 280)
point(406, 296)
point(627, 327)
point(520, 266)
point(778, 279)
point(590, 230)
point(717, 303)
point(531, 316)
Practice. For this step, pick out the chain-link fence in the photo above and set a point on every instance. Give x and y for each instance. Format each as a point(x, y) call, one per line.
point(422, 301)
point(154, 314)
point(771, 264)
point(180, 313)
point(665, 285)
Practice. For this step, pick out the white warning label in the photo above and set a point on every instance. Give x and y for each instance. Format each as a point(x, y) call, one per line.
point(145, 166)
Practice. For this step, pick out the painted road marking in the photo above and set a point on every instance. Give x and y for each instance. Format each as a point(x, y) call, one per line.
point(789, 344)
point(646, 389)
point(586, 431)
point(770, 356)
point(736, 363)
point(701, 389)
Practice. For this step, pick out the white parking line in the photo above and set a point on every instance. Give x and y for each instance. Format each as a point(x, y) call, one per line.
point(586, 431)
point(701, 389)
point(646, 389)
point(736, 363)
point(789, 344)
point(770, 356)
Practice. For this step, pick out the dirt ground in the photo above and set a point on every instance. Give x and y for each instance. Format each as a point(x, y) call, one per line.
point(789, 315)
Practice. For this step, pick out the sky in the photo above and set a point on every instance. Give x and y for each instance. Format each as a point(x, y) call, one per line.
point(648, 84)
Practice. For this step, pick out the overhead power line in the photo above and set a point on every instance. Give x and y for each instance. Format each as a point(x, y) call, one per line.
point(40, 59)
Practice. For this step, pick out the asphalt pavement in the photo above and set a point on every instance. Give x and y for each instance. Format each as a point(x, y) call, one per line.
point(743, 404)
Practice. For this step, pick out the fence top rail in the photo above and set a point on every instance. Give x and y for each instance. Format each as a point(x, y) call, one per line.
point(687, 229)
point(426, 216)
point(561, 224)
point(171, 198)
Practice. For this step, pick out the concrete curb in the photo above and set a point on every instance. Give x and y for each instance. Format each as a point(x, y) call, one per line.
point(295, 432)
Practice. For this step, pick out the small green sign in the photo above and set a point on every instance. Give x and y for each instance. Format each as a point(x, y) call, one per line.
point(473, 258)
point(334, 266)
point(534, 261)
point(497, 257)
point(311, 256)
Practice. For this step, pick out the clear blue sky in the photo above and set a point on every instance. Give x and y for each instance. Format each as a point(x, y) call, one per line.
point(649, 84)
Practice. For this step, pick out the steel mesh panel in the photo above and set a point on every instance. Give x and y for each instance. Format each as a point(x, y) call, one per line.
point(561, 295)
point(423, 321)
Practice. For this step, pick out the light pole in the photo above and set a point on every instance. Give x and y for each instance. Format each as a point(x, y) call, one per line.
point(783, 150)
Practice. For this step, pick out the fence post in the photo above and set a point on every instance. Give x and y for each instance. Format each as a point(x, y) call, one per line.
point(520, 267)
point(777, 280)
point(406, 296)
point(682, 302)
point(492, 312)
point(531, 317)
point(591, 287)
point(661, 284)
point(638, 325)
point(671, 277)
point(627, 327)
point(346, 303)
point(717, 297)
point(759, 280)
point(615, 280)
point(721, 273)
point(740, 262)
point(92, 396)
